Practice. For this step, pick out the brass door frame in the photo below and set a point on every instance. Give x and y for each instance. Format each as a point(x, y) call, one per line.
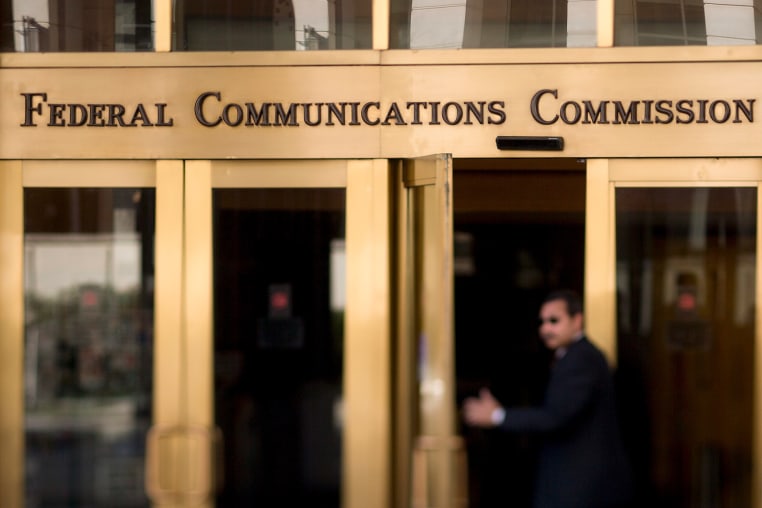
point(15, 176)
point(12, 332)
point(366, 470)
point(604, 176)
point(429, 463)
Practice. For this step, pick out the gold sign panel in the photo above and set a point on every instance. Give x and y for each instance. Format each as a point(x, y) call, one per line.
point(382, 111)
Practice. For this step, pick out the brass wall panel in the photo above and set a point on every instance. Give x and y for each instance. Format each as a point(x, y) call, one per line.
point(386, 93)
point(491, 56)
point(517, 85)
point(179, 89)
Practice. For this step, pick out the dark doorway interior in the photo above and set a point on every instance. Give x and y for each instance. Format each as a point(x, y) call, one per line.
point(519, 232)
point(278, 346)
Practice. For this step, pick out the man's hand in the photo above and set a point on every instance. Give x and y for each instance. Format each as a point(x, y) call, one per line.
point(477, 411)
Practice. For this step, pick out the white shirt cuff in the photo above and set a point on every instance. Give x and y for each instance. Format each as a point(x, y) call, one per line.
point(498, 415)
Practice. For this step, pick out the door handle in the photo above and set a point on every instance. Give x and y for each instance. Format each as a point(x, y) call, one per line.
point(183, 463)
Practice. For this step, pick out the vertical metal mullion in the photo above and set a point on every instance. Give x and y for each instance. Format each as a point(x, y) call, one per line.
point(168, 344)
point(367, 439)
point(11, 333)
point(600, 257)
point(605, 11)
point(162, 30)
point(197, 366)
point(380, 23)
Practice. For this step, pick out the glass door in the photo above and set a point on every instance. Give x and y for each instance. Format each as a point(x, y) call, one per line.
point(88, 330)
point(685, 277)
point(288, 335)
point(210, 333)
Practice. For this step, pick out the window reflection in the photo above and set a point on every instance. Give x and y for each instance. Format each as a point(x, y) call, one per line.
point(686, 263)
point(428, 24)
point(88, 274)
point(76, 25)
point(687, 22)
point(210, 25)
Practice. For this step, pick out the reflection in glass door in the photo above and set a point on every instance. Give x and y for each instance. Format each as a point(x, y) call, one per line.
point(278, 344)
point(88, 348)
point(686, 273)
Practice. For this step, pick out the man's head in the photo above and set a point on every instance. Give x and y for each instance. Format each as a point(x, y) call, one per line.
point(560, 318)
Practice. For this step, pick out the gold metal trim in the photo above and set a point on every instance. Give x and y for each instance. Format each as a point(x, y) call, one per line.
point(168, 293)
point(427, 450)
point(600, 263)
point(417, 175)
point(172, 455)
point(161, 466)
point(161, 463)
point(191, 59)
point(380, 29)
point(162, 10)
point(366, 481)
point(89, 173)
point(11, 334)
point(197, 294)
point(279, 174)
point(605, 23)
point(686, 172)
point(405, 386)
point(490, 56)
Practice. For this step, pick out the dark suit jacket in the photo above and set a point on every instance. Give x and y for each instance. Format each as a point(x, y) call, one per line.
point(582, 462)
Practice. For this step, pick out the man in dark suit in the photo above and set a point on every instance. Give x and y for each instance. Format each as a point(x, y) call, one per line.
point(582, 463)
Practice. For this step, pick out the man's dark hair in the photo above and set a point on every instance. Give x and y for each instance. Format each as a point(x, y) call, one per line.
point(571, 297)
